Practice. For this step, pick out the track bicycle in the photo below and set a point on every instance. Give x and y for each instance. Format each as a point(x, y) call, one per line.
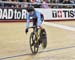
point(37, 37)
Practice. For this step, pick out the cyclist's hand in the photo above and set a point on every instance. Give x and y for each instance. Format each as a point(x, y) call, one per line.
point(26, 30)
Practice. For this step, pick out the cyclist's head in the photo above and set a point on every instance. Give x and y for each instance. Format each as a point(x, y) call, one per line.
point(30, 9)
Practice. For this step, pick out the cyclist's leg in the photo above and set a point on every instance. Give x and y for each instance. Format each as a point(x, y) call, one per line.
point(42, 20)
point(43, 31)
point(35, 24)
point(34, 21)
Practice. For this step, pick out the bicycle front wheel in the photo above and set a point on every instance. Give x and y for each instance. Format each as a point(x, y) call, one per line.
point(33, 45)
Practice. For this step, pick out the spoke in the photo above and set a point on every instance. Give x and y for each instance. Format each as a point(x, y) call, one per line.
point(34, 48)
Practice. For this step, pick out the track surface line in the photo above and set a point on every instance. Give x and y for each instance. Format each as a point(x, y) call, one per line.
point(60, 26)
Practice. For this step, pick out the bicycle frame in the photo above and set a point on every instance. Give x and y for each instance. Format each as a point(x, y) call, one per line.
point(36, 32)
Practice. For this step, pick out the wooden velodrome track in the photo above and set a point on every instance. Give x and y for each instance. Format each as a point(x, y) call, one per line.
point(14, 43)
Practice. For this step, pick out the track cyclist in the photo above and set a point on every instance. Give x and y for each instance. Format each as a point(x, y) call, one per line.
point(37, 19)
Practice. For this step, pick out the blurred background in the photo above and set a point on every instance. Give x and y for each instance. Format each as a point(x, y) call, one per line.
point(38, 3)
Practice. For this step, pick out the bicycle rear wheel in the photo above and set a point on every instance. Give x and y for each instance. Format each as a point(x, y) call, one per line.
point(33, 46)
point(43, 37)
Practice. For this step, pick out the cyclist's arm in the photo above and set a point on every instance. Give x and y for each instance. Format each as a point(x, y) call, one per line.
point(27, 20)
point(38, 19)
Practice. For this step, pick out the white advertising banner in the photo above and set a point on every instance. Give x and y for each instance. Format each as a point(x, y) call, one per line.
point(49, 14)
point(58, 14)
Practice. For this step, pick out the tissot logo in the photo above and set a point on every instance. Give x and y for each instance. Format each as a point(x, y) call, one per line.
point(63, 13)
point(56, 14)
point(12, 13)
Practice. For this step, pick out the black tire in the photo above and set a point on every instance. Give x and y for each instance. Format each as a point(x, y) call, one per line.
point(43, 38)
point(33, 47)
